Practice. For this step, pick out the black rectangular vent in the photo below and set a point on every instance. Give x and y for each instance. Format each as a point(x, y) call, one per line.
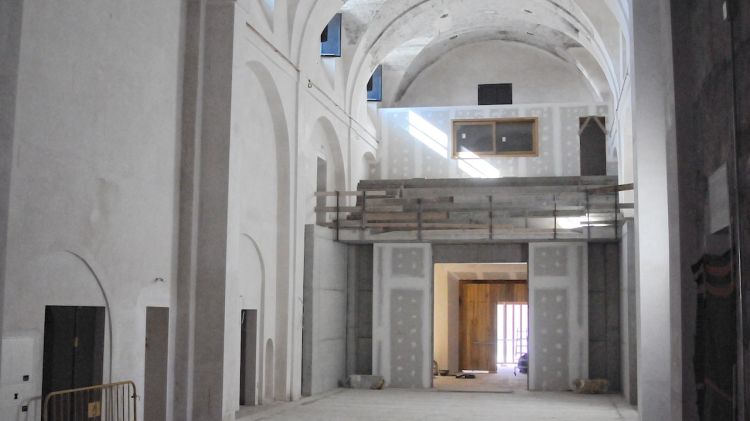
point(495, 94)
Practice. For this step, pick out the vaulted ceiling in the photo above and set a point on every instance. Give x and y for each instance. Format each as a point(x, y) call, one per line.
point(410, 35)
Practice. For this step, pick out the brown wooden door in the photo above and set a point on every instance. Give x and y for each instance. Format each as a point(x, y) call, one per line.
point(478, 320)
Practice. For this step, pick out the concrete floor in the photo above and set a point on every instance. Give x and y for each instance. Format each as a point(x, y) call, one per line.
point(501, 382)
point(415, 405)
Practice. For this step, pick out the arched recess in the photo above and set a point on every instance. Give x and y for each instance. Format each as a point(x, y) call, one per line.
point(323, 133)
point(283, 285)
point(252, 265)
point(59, 278)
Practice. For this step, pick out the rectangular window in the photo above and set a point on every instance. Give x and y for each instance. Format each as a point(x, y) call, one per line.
point(504, 137)
point(375, 85)
point(495, 94)
point(330, 38)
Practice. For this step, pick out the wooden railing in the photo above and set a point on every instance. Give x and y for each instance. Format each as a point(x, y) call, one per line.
point(107, 402)
point(575, 208)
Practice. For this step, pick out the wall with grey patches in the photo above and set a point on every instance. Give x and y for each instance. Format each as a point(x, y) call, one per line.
point(604, 313)
point(417, 142)
point(558, 315)
point(402, 314)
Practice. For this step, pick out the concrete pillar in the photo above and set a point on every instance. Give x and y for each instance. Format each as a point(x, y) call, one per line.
point(11, 14)
point(657, 216)
point(200, 294)
point(628, 320)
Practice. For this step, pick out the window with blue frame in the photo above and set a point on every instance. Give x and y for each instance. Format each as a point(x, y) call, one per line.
point(330, 38)
point(375, 85)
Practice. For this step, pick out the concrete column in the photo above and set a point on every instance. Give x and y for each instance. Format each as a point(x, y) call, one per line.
point(200, 295)
point(11, 14)
point(657, 215)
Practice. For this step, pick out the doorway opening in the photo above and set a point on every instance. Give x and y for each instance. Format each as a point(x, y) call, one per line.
point(73, 348)
point(156, 363)
point(512, 332)
point(481, 327)
point(248, 358)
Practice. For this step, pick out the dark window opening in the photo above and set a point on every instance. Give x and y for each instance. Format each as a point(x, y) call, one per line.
point(330, 38)
point(593, 147)
point(495, 94)
point(375, 85)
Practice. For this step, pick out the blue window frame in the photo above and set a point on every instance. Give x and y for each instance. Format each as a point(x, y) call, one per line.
point(375, 85)
point(330, 38)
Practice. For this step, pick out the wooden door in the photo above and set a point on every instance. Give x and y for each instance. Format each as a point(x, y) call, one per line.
point(478, 320)
point(478, 347)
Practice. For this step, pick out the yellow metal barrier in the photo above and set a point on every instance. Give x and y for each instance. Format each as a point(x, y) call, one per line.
point(106, 402)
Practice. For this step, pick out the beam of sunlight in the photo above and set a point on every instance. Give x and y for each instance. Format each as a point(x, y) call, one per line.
point(586, 220)
point(428, 134)
point(570, 222)
point(476, 167)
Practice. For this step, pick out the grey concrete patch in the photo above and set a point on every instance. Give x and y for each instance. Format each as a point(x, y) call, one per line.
point(551, 261)
point(480, 253)
point(406, 338)
point(407, 261)
point(551, 345)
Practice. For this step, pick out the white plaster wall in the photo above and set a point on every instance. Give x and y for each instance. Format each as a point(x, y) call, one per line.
point(417, 142)
point(657, 222)
point(252, 221)
point(537, 77)
point(558, 315)
point(264, 211)
point(95, 171)
point(402, 306)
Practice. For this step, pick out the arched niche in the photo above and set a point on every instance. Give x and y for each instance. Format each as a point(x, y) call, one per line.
point(280, 284)
point(326, 142)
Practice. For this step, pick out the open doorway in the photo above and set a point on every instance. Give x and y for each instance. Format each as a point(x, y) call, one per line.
point(156, 364)
point(481, 327)
point(248, 357)
point(512, 357)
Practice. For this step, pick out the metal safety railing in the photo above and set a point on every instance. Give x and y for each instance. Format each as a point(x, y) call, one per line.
point(106, 402)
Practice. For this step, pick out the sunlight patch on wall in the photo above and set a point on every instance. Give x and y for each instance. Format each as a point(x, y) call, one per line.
point(477, 167)
point(429, 135)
